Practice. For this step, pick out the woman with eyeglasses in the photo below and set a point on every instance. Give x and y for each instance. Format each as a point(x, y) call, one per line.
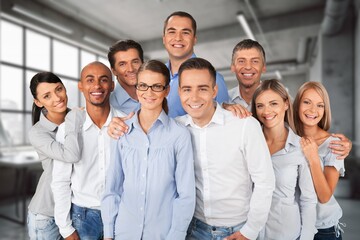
point(150, 185)
point(48, 112)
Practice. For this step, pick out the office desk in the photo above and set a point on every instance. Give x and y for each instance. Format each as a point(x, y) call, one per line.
point(22, 162)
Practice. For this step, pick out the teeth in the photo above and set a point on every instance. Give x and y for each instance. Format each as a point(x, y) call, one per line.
point(96, 93)
point(248, 74)
point(195, 106)
point(178, 45)
point(269, 117)
point(310, 116)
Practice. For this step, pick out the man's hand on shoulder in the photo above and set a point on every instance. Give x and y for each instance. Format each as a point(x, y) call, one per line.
point(341, 147)
point(117, 126)
point(237, 110)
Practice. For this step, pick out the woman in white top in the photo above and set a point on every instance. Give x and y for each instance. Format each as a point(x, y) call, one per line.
point(293, 208)
point(48, 112)
point(312, 117)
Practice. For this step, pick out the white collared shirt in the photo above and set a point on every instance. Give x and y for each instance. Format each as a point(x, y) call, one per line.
point(231, 156)
point(82, 183)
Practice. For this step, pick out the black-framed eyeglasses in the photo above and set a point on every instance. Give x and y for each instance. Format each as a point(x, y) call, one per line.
point(154, 87)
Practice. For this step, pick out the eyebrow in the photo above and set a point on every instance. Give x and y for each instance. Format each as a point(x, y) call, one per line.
point(183, 29)
point(45, 93)
point(198, 86)
point(91, 75)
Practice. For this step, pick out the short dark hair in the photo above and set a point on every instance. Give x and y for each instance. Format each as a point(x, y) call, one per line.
point(248, 44)
point(181, 14)
point(199, 64)
point(122, 46)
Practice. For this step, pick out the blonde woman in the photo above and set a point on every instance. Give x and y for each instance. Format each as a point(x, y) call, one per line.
point(312, 116)
point(291, 217)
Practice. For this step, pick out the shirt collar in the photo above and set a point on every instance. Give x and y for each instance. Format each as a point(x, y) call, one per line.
point(292, 139)
point(88, 121)
point(46, 122)
point(217, 118)
point(168, 65)
point(236, 94)
point(121, 95)
point(134, 121)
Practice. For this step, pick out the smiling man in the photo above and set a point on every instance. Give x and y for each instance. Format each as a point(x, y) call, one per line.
point(233, 171)
point(125, 58)
point(179, 38)
point(248, 63)
point(78, 187)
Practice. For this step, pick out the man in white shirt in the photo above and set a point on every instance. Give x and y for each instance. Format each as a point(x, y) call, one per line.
point(78, 187)
point(234, 174)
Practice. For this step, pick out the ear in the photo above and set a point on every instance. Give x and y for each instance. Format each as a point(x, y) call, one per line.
point(114, 72)
point(195, 40)
point(286, 105)
point(38, 103)
point(216, 89)
point(163, 39)
point(80, 86)
point(264, 69)
point(232, 67)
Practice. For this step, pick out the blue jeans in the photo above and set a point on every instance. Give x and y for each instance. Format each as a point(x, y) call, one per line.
point(328, 234)
point(199, 230)
point(41, 227)
point(87, 222)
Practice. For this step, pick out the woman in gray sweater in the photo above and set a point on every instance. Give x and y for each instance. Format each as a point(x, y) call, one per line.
point(48, 112)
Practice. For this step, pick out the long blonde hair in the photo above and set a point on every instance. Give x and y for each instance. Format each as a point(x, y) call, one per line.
point(325, 122)
point(277, 87)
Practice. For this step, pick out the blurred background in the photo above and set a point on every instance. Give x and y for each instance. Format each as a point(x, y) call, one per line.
point(304, 40)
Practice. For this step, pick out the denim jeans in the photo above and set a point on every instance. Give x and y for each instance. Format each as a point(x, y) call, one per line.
point(41, 227)
point(87, 222)
point(199, 230)
point(328, 234)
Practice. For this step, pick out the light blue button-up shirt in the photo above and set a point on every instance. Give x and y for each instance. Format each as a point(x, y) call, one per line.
point(150, 185)
point(293, 207)
point(175, 107)
point(122, 101)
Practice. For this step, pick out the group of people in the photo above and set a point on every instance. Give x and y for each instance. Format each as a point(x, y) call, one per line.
point(169, 153)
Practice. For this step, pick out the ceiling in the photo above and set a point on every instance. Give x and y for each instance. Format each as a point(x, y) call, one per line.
point(287, 29)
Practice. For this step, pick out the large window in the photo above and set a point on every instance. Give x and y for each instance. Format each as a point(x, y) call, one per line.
point(23, 53)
